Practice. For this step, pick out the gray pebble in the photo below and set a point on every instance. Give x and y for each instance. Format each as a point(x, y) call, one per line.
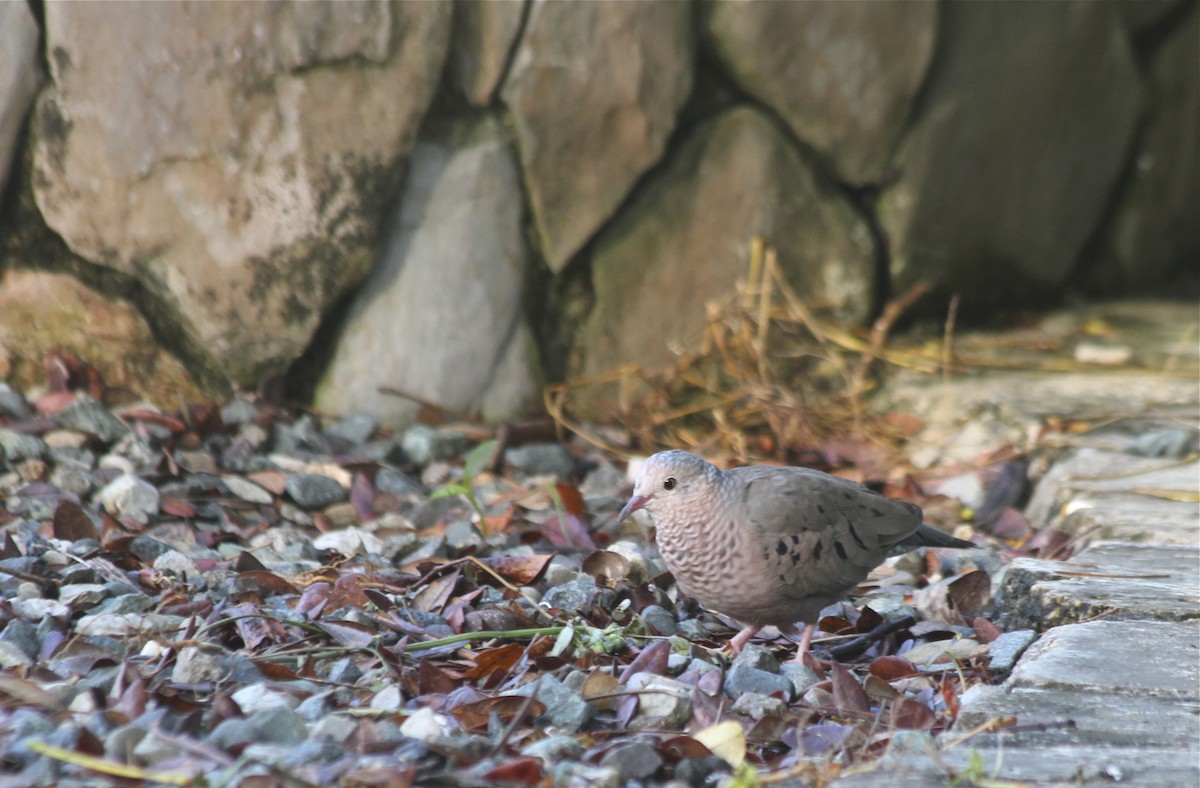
point(87, 415)
point(575, 595)
point(743, 678)
point(279, 725)
point(314, 491)
point(542, 459)
point(756, 656)
point(635, 760)
point(660, 620)
point(393, 482)
point(1004, 651)
point(20, 446)
point(423, 445)
point(354, 429)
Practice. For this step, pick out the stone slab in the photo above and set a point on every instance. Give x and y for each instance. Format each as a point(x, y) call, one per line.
point(1108, 718)
point(1069, 764)
point(1117, 579)
point(1094, 472)
point(1131, 517)
point(1143, 658)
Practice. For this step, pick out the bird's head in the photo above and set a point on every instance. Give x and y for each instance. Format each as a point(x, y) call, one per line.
point(669, 478)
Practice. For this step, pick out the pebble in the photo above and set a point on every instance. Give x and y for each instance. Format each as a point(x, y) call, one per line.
point(635, 760)
point(129, 496)
point(255, 698)
point(425, 724)
point(314, 490)
point(393, 482)
point(87, 415)
point(423, 445)
point(542, 459)
point(1004, 651)
point(247, 490)
point(743, 678)
point(664, 703)
point(565, 709)
point(354, 429)
point(349, 542)
point(20, 446)
point(193, 666)
point(575, 595)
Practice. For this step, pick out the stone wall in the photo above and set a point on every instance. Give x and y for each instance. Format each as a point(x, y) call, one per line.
point(458, 201)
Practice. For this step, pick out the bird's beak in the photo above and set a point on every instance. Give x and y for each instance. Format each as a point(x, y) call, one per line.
point(635, 503)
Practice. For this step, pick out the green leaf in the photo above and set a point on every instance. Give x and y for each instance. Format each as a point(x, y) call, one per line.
point(478, 459)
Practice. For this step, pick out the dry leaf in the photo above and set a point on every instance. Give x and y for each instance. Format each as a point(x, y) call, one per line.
point(726, 740)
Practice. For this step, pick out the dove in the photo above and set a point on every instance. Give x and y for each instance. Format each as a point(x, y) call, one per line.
point(771, 544)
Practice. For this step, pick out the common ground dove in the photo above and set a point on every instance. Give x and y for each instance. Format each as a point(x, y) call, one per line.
point(771, 545)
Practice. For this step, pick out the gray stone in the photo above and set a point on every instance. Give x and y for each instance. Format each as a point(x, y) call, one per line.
point(82, 596)
point(483, 38)
point(1121, 581)
point(87, 415)
point(392, 481)
point(12, 656)
point(423, 445)
point(801, 676)
point(565, 709)
point(12, 402)
point(660, 620)
point(23, 635)
point(255, 698)
point(1146, 658)
point(21, 75)
point(334, 727)
point(756, 656)
point(238, 411)
point(354, 429)
point(989, 109)
point(130, 624)
point(193, 666)
point(267, 149)
point(553, 749)
point(1085, 478)
point(757, 706)
point(279, 725)
point(542, 459)
point(692, 629)
point(314, 490)
point(842, 75)
point(20, 446)
point(742, 678)
point(1004, 651)
point(233, 733)
point(432, 275)
point(148, 548)
point(129, 496)
point(575, 595)
point(1174, 442)
point(247, 490)
point(1131, 517)
point(178, 564)
point(580, 165)
point(344, 671)
point(663, 703)
point(685, 240)
point(635, 760)
point(462, 533)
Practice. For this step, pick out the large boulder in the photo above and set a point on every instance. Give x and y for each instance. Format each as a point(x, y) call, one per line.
point(842, 75)
point(594, 90)
point(685, 240)
point(440, 315)
point(484, 34)
point(1019, 138)
point(233, 157)
point(48, 313)
point(1154, 230)
point(21, 75)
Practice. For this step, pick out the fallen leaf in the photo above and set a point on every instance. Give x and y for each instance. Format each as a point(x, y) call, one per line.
point(890, 668)
point(475, 716)
point(348, 633)
point(602, 563)
point(912, 715)
point(726, 740)
point(501, 658)
point(985, 631)
point(520, 570)
point(72, 523)
point(848, 694)
point(522, 771)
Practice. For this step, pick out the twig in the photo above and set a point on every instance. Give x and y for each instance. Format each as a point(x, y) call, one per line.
point(948, 338)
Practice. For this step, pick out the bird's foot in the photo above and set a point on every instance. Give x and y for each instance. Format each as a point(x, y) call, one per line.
point(739, 641)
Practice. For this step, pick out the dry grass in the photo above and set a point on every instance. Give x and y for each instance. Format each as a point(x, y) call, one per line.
point(770, 376)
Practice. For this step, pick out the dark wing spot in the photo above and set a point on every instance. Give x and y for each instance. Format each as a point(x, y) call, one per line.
point(795, 558)
point(766, 555)
point(841, 551)
point(782, 578)
point(857, 539)
point(876, 512)
point(820, 508)
point(795, 538)
point(781, 548)
point(817, 548)
point(846, 495)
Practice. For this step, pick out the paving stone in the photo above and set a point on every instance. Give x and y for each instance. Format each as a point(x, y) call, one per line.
point(1132, 657)
point(1094, 473)
point(1069, 764)
point(1125, 581)
point(1096, 718)
point(1131, 517)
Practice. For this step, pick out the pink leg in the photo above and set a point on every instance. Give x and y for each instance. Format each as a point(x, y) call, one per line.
point(739, 641)
point(805, 641)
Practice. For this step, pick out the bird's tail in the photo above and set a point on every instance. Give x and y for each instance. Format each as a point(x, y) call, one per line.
point(928, 536)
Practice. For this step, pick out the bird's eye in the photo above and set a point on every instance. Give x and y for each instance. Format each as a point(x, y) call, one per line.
point(669, 484)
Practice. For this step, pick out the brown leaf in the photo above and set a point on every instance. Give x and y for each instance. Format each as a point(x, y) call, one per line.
point(273, 482)
point(912, 715)
point(267, 583)
point(949, 696)
point(1011, 524)
point(314, 599)
point(520, 570)
point(246, 561)
point(474, 716)
point(522, 771)
point(436, 593)
point(868, 619)
point(501, 658)
point(1051, 544)
point(277, 672)
point(348, 592)
point(653, 659)
point(362, 493)
point(603, 563)
point(879, 689)
point(985, 631)
point(601, 686)
point(835, 625)
point(348, 633)
point(969, 594)
point(567, 531)
point(251, 628)
point(891, 668)
point(176, 508)
point(848, 694)
point(72, 523)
